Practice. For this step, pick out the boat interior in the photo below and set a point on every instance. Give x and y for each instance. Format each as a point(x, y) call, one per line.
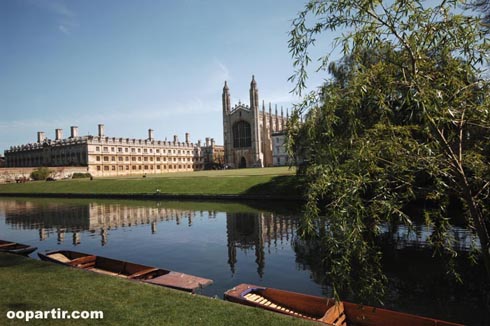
point(107, 266)
point(323, 310)
point(10, 245)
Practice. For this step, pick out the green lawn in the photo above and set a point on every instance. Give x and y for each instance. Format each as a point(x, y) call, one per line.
point(28, 284)
point(277, 182)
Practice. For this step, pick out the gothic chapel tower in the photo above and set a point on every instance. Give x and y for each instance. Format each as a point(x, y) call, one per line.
point(241, 130)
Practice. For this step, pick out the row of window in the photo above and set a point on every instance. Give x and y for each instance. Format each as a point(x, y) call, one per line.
point(144, 167)
point(139, 150)
point(144, 158)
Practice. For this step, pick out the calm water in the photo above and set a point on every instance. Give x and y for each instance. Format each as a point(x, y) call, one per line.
point(234, 243)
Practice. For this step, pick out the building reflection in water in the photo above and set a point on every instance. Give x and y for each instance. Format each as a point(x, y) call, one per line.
point(246, 231)
point(61, 235)
point(258, 231)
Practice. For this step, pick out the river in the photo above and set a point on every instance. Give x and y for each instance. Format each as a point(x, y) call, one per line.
point(235, 243)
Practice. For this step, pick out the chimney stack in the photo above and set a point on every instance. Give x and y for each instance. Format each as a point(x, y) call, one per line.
point(151, 136)
point(212, 142)
point(176, 139)
point(40, 136)
point(101, 130)
point(187, 138)
point(207, 141)
point(59, 134)
point(74, 131)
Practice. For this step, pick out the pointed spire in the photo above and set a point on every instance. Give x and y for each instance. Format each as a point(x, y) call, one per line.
point(282, 119)
point(226, 98)
point(264, 121)
point(254, 96)
point(270, 116)
point(277, 121)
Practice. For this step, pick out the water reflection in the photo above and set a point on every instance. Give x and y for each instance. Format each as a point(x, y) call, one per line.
point(418, 237)
point(246, 232)
point(259, 231)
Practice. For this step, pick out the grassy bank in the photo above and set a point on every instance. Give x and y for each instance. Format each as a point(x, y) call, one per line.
point(276, 182)
point(28, 284)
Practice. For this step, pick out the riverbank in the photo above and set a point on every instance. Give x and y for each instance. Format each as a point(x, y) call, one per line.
point(29, 284)
point(256, 184)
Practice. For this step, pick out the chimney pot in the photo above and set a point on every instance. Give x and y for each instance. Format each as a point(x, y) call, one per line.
point(59, 134)
point(74, 132)
point(101, 130)
point(40, 136)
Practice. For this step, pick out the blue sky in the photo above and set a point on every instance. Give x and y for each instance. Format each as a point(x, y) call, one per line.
point(135, 65)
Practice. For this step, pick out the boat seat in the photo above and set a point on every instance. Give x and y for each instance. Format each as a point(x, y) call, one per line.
point(143, 272)
point(260, 300)
point(84, 261)
point(335, 315)
point(11, 244)
point(60, 257)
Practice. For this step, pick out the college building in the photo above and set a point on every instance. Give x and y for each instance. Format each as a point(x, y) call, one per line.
point(253, 137)
point(106, 156)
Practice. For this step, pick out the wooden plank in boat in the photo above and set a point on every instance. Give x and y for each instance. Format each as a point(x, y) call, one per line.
point(82, 260)
point(143, 272)
point(106, 272)
point(180, 281)
point(334, 314)
point(60, 257)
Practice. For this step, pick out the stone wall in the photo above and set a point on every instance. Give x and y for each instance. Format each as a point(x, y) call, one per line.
point(8, 175)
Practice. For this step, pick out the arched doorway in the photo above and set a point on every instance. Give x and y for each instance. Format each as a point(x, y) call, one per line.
point(243, 163)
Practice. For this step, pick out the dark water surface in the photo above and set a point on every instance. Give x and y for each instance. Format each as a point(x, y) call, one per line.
point(234, 243)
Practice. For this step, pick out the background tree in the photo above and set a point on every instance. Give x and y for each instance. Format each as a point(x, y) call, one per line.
point(483, 6)
point(41, 173)
point(405, 116)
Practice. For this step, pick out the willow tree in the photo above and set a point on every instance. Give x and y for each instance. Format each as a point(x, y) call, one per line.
point(405, 116)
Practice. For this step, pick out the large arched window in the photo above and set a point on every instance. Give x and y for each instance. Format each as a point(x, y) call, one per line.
point(242, 135)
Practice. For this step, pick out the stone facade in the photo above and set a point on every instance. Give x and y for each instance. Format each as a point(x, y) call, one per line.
point(280, 156)
point(108, 156)
point(247, 130)
point(213, 155)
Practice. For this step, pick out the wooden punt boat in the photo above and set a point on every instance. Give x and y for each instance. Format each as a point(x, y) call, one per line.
point(16, 248)
point(324, 310)
point(123, 269)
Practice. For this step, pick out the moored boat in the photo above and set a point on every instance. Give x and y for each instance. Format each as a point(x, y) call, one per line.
point(128, 270)
point(324, 310)
point(16, 248)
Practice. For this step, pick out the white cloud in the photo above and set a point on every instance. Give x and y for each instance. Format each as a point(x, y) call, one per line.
point(64, 29)
point(65, 17)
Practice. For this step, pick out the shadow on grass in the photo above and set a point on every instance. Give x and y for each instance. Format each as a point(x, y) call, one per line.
point(286, 186)
point(7, 260)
